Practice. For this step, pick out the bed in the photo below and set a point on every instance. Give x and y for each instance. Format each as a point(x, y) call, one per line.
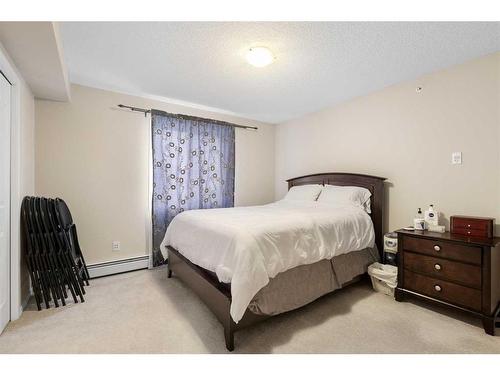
point(248, 264)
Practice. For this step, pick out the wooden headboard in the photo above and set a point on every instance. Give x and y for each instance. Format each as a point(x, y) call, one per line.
point(373, 183)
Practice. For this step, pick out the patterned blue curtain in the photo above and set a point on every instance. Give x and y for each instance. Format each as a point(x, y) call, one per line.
point(193, 168)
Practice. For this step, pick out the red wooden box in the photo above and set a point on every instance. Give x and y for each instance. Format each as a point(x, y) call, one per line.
point(472, 226)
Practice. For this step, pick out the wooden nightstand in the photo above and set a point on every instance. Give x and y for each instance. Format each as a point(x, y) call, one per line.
point(455, 270)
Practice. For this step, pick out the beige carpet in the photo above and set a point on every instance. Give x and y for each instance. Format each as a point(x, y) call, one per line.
point(144, 312)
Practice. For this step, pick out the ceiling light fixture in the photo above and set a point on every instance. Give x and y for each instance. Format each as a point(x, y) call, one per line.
point(259, 56)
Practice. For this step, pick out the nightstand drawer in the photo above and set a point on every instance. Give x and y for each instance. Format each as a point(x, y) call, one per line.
point(470, 232)
point(443, 290)
point(461, 273)
point(442, 249)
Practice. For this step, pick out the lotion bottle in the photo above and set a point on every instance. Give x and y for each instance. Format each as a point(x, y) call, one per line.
point(431, 217)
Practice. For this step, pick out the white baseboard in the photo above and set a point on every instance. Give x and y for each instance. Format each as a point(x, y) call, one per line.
point(118, 266)
point(25, 303)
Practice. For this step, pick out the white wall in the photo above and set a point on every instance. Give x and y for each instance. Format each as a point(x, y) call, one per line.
point(408, 137)
point(95, 156)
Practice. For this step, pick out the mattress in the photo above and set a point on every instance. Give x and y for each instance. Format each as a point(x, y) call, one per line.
point(249, 246)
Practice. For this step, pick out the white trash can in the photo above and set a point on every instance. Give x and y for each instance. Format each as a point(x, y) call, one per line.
point(384, 278)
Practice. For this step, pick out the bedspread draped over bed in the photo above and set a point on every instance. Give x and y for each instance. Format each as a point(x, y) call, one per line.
point(247, 246)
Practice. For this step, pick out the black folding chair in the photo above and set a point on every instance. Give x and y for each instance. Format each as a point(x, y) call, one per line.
point(62, 253)
point(66, 221)
point(66, 251)
point(38, 256)
point(50, 268)
point(52, 253)
point(28, 244)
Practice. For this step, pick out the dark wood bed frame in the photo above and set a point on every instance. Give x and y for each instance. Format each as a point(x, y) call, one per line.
point(217, 295)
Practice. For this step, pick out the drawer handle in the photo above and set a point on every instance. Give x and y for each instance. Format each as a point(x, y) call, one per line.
point(437, 288)
point(437, 266)
point(468, 232)
point(437, 247)
point(468, 225)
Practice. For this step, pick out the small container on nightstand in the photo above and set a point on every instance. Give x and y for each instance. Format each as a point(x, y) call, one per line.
point(390, 249)
point(472, 226)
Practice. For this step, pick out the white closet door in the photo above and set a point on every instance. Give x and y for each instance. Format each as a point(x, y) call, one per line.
point(4, 202)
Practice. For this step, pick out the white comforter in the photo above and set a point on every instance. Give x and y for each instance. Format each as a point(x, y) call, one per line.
point(247, 246)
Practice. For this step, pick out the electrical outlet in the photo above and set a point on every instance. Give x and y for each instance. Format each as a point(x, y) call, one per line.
point(456, 158)
point(116, 246)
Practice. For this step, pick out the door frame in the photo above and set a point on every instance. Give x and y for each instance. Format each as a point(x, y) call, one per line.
point(16, 81)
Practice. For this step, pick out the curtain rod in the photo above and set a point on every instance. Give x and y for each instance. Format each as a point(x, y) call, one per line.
point(146, 111)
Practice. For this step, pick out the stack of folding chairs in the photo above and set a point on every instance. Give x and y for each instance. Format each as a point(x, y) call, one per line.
point(52, 252)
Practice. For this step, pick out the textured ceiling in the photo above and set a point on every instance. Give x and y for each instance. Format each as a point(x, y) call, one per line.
point(317, 64)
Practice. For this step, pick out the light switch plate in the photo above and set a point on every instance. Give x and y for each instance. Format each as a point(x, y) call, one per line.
point(456, 158)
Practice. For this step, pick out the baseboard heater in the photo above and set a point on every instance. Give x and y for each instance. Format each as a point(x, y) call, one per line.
point(118, 266)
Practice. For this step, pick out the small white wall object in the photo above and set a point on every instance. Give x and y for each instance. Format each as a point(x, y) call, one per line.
point(116, 246)
point(456, 157)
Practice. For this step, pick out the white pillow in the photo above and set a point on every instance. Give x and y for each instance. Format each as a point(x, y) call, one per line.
point(303, 193)
point(353, 195)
